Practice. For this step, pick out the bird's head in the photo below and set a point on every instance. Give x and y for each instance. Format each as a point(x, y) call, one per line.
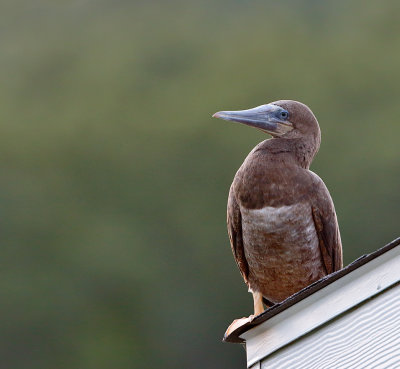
point(283, 118)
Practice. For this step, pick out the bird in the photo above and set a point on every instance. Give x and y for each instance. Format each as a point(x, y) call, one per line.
point(281, 219)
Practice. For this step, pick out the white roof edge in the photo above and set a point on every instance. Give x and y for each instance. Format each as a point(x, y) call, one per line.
point(322, 306)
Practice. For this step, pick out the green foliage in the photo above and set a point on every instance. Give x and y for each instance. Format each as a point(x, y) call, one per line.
point(114, 176)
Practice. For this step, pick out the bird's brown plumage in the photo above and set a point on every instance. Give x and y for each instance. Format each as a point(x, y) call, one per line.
point(281, 219)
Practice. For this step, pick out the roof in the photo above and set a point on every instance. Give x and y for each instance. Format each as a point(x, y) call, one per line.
point(235, 335)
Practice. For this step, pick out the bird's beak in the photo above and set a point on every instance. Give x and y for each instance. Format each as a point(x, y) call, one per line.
point(266, 117)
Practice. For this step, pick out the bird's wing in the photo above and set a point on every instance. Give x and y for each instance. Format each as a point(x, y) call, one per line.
point(234, 221)
point(327, 228)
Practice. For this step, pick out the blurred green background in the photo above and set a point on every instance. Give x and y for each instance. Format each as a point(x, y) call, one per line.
point(114, 176)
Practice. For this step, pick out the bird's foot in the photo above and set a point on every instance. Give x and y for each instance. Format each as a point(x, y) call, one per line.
point(258, 304)
point(251, 317)
point(237, 323)
point(258, 309)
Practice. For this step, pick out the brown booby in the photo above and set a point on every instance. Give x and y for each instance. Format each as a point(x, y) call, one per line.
point(281, 219)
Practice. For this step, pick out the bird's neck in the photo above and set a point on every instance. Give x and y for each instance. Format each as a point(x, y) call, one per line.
point(294, 151)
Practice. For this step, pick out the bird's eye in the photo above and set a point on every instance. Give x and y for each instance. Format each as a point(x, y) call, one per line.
point(284, 114)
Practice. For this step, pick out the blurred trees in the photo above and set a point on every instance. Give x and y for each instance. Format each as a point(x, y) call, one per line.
point(114, 177)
